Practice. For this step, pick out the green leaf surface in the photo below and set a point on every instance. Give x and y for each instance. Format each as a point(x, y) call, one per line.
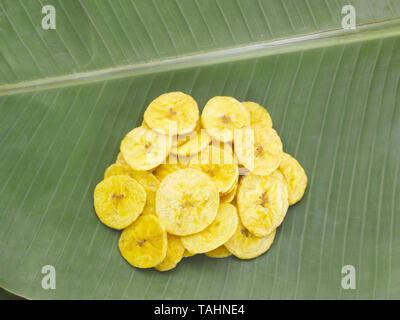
point(5, 295)
point(334, 99)
point(97, 34)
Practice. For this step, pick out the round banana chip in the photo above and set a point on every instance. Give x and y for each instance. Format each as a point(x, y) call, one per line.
point(295, 176)
point(172, 164)
point(144, 243)
point(173, 112)
point(179, 140)
point(118, 201)
point(186, 202)
point(219, 164)
point(262, 202)
point(231, 188)
point(163, 170)
point(222, 115)
point(117, 169)
point(245, 245)
point(193, 146)
point(259, 150)
point(145, 149)
point(150, 184)
point(220, 252)
point(120, 158)
point(187, 254)
point(259, 117)
point(175, 252)
point(230, 195)
point(216, 234)
point(148, 181)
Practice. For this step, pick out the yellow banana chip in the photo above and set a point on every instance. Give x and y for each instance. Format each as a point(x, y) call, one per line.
point(244, 245)
point(148, 181)
point(295, 176)
point(262, 202)
point(187, 254)
point(222, 115)
point(231, 188)
point(220, 252)
point(175, 252)
point(219, 164)
point(259, 117)
point(259, 150)
point(173, 109)
point(145, 149)
point(187, 201)
point(118, 168)
point(163, 170)
point(118, 201)
point(230, 195)
point(179, 140)
point(144, 243)
point(172, 164)
point(120, 158)
point(216, 234)
point(150, 184)
point(194, 145)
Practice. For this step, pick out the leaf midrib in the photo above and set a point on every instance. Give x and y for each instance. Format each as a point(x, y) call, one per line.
point(365, 32)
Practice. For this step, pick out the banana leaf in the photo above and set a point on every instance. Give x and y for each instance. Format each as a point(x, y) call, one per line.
point(6, 295)
point(68, 96)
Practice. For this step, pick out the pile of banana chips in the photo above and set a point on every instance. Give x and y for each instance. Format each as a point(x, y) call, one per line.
point(183, 183)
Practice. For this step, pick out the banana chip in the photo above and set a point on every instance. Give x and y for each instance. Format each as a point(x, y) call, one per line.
point(120, 158)
point(262, 202)
point(295, 176)
point(173, 109)
point(148, 181)
point(179, 140)
point(194, 145)
point(245, 245)
point(121, 161)
point(145, 149)
point(117, 169)
point(163, 170)
point(259, 117)
point(222, 115)
point(219, 164)
point(172, 164)
point(230, 195)
point(144, 243)
point(118, 201)
point(220, 252)
point(186, 202)
point(261, 155)
point(175, 252)
point(216, 234)
point(231, 188)
point(187, 254)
